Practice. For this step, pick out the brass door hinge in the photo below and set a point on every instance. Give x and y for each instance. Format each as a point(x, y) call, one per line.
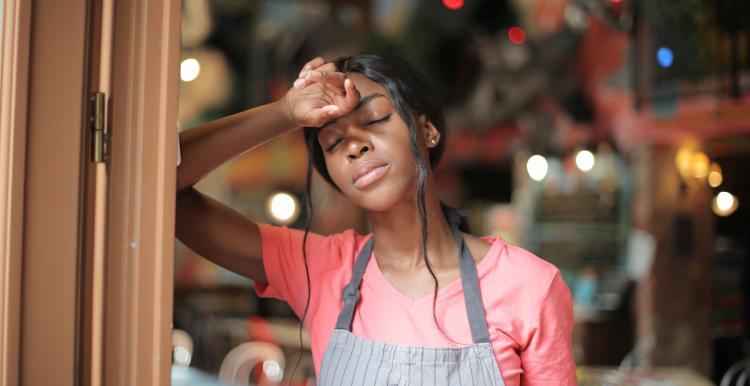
point(98, 123)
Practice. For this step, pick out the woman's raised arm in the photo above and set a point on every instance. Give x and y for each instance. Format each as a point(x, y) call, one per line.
point(205, 147)
point(214, 230)
point(319, 95)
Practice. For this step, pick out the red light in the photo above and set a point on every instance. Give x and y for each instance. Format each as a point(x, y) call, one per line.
point(617, 1)
point(453, 4)
point(516, 35)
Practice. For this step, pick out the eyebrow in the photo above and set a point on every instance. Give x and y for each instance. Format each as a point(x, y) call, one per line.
point(363, 101)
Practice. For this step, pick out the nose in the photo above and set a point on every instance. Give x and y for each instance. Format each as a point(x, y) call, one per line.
point(356, 148)
point(357, 144)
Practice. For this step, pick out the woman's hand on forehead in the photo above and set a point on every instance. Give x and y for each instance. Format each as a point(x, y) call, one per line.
point(320, 94)
point(314, 70)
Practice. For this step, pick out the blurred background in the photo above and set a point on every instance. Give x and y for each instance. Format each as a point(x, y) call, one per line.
point(609, 137)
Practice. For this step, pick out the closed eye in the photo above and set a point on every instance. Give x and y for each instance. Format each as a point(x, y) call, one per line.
point(385, 118)
point(329, 148)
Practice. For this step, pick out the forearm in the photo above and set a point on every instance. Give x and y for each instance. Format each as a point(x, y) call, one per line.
point(205, 147)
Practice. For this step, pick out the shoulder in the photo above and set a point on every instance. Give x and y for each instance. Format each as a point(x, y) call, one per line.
point(336, 247)
point(347, 237)
point(527, 265)
point(519, 276)
point(341, 249)
point(478, 246)
point(349, 242)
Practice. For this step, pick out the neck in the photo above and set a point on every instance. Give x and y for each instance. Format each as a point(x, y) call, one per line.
point(398, 235)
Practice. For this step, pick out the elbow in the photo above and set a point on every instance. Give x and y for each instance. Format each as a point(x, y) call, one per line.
point(186, 194)
point(183, 183)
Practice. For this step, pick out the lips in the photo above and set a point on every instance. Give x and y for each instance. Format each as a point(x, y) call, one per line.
point(368, 173)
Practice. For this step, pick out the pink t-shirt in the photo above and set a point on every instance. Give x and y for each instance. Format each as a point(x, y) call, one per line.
point(528, 306)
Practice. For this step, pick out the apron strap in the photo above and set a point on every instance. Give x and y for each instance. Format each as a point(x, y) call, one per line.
point(351, 292)
point(469, 281)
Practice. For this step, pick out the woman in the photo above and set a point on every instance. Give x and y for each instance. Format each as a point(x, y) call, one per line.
point(416, 301)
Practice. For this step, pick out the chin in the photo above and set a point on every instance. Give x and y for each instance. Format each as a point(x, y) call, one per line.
point(382, 198)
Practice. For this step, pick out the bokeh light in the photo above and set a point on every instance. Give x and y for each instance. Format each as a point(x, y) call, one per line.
point(190, 68)
point(585, 160)
point(699, 164)
point(715, 178)
point(283, 207)
point(516, 35)
point(724, 204)
point(537, 167)
point(665, 57)
point(453, 4)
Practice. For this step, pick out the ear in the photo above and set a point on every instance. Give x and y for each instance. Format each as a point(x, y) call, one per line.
point(430, 133)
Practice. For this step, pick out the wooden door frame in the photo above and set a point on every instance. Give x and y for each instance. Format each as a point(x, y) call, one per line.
point(15, 35)
point(55, 153)
point(94, 214)
point(142, 175)
point(45, 334)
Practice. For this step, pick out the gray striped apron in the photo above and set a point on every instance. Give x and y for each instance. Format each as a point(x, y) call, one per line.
point(353, 360)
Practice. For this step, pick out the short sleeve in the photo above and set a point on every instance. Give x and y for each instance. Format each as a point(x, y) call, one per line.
point(284, 264)
point(548, 356)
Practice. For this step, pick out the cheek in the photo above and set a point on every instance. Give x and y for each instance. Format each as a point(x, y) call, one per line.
point(335, 173)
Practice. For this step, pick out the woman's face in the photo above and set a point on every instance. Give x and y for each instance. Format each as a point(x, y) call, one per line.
point(368, 153)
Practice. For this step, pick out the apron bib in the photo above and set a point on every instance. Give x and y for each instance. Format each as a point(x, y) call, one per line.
point(353, 360)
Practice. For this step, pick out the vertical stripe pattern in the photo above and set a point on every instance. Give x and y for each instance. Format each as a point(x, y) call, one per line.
point(353, 360)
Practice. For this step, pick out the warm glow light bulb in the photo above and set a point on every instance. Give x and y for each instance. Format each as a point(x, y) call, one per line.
point(189, 69)
point(699, 164)
point(724, 200)
point(537, 167)
point(283, 207)
point(724, 204)
point(682, 160)
point(715, 178)
point(585, 160)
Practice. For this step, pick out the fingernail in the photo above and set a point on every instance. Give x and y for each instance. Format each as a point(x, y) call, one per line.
point(298, 83)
